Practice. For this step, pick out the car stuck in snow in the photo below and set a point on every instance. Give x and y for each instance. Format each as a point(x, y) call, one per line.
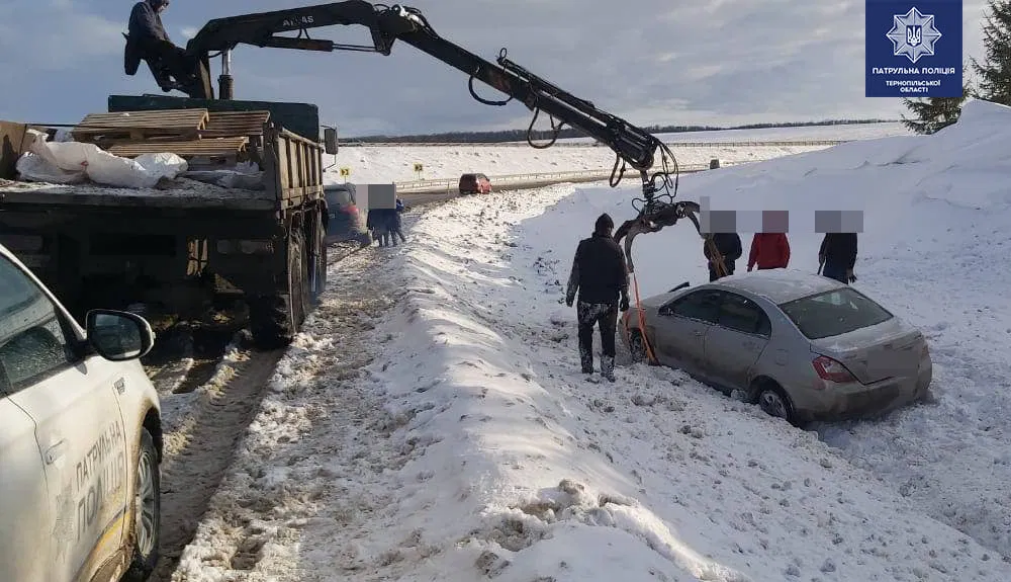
point(802, 346)
point(80, 439)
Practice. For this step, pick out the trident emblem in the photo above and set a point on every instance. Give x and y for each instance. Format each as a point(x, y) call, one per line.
point(914, 34)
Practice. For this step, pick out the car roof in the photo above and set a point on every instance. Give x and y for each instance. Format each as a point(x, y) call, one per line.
point(779, 285)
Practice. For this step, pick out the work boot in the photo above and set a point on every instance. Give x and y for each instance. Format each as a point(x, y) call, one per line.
point(607, 367)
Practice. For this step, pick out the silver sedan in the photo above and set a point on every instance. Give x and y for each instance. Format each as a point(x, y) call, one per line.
point(802, 346)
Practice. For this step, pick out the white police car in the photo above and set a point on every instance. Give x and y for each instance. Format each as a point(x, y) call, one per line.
point(80, 439)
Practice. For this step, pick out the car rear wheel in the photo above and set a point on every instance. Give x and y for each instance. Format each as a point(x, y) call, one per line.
point(146, 512)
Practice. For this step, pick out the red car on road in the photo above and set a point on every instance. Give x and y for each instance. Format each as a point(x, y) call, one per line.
point(474, 184)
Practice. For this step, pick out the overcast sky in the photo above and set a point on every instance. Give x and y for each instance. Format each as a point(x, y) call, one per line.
point(715, 62)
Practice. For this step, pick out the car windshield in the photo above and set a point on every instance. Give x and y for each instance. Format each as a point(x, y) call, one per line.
point(338, 197)
point(834, 313)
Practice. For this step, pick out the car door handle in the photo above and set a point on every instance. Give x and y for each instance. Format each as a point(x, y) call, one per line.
point(55, 452)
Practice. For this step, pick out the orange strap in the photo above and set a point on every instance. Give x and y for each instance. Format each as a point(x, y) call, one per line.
point(642, 323)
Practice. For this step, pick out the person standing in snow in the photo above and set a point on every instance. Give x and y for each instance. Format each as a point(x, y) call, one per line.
point(728, 245)
point(379, 225)
point(600, 276)
point(397, 229)
point(838, 256)
point(769, 250)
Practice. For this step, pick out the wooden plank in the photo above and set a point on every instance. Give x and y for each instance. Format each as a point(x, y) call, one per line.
point(141, 124)
point(235, 123)
point(223, 146)
point(12, 138)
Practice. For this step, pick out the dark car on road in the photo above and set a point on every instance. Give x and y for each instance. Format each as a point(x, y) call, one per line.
point(474, 184)
point(347, 219)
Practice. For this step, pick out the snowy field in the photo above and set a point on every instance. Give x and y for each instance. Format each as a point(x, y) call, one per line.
point(811, 133)
point(396, 163)
point(431, 423)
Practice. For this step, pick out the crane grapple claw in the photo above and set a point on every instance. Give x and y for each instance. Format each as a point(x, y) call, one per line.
point(654, 219)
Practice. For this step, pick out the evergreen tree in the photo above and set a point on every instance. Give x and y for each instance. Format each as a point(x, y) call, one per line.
point(994, 74)
point(933, 113)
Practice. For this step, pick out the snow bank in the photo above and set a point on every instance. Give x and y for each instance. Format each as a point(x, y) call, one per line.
point(456, 440)
point(521, 469)
point(937, 226)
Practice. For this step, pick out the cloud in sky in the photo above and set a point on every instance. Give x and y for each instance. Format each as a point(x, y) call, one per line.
point(716, 62)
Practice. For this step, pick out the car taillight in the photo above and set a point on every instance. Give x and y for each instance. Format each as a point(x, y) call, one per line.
point(831, 370)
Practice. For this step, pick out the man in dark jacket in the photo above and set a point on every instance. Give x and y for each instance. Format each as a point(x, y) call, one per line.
point(600, 275)
point(728, 246)
point(838, 256)
point(147, 40)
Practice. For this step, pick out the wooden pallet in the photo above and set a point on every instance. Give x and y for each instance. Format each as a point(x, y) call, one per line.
point(213, 147)
point(235, 124)
point(183, 124)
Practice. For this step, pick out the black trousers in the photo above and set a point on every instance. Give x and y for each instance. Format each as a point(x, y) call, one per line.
point(170, 58)
point(604, 316)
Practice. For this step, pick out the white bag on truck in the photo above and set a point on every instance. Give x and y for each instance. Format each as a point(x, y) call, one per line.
point(73, 163)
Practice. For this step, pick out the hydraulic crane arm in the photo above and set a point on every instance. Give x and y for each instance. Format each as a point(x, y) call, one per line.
point(633, 146)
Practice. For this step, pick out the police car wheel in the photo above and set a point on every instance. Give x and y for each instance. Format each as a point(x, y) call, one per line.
point(146, 511)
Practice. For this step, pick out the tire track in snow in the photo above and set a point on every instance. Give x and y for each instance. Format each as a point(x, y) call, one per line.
point(199, 452)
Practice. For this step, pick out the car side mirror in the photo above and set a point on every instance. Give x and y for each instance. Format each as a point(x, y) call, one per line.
point(330, 140)
point(119, 336)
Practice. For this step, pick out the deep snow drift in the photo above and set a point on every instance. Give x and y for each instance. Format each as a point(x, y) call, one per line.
point(470, 447)
point(937, 226)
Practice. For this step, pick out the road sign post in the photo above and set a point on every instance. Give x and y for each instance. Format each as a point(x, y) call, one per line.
point(418, 169)
point(345, 173)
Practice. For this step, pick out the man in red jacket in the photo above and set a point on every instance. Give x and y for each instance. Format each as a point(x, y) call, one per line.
point(769, 250)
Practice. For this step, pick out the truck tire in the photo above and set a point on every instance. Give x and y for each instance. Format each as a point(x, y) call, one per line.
point(317, 276)
point(275, 320)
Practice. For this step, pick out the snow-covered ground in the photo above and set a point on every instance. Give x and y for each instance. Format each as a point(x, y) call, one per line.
point(432, 424)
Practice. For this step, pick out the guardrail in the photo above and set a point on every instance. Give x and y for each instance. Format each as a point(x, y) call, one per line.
point(535, 180)
point(670, 144)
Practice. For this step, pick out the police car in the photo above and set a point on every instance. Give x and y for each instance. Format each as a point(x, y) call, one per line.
point(80, 439)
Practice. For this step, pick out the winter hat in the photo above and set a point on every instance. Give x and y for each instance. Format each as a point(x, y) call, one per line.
point(604, 223)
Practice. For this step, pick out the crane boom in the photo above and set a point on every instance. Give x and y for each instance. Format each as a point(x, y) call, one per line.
point(634, 147)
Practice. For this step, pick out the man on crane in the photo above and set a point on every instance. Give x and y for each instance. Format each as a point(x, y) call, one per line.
point(148, 41)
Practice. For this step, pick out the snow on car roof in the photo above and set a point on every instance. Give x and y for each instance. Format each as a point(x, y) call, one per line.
point(780, 285)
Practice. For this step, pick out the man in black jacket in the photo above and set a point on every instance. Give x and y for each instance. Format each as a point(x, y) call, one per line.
point(148, 40)
point(838, 256)
point(728, 245)
point(600, 275)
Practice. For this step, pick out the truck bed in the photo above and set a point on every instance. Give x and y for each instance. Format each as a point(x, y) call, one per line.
point(180, 193)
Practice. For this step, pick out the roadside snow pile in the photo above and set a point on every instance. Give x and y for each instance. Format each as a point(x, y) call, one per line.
point(468, 446)
point(936, 210)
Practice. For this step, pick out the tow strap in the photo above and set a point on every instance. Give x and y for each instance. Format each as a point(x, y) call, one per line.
point(721, 271)
point(641, 321)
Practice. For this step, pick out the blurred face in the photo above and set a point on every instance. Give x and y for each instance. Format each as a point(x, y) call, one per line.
point(160, 6)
